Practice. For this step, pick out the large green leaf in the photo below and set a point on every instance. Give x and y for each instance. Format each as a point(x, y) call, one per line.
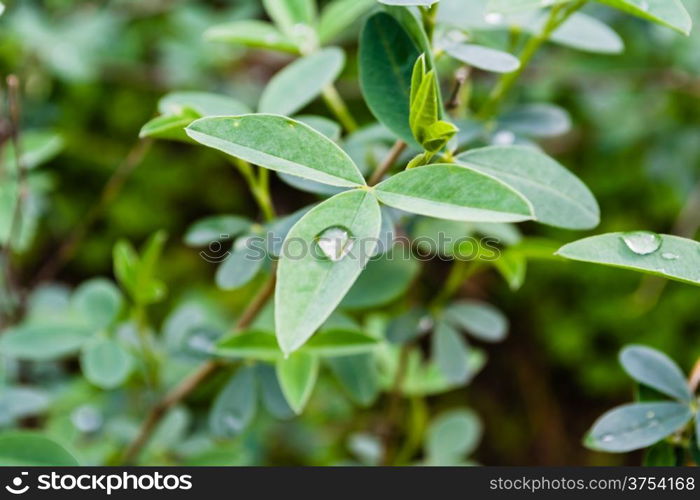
point(654, 369)
point(234, 407)
point(638, 425)
point(297, 375)
point(301, 82)
point(38, 342)
point(387, 56)
point(323, 255)
point(663, 255)
point(105, 363)
point(454, 192)
point(338, 15)
point(669, 13)
point(558, 197)
point(281, 144)
point(31, 449)
point(251, 33)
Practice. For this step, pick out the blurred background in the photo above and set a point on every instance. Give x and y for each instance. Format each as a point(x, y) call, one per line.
point(92, 72)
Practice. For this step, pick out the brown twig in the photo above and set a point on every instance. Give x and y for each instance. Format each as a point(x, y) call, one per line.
point(694, 379)
point(461, 77)
point(381, 170)
point(181, 391)
point(110, 191)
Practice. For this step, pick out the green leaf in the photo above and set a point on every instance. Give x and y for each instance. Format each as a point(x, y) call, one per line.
point(424, 103)
point(99, 301)
point(287, 14)
point(385, 279)
point(126, 262)
point(241, 266)
point(662, 255)
point(202, 103)
point(386, 59)
point(587, 33)
point(452, 436)
point(280, 144)
point(21, 402)
point(234, 407)
point(32, 449)
point(357, 374)
point(408, 326)
point(484, 58)
point(321, 124)
point(662, 454)
point(137, 274)
point(450, 353)
point(638, 425)
point(252, 344)
point(301, 82)
point(455, 193)
point(105, 363)
point(481, 320)
point(508, 6)
point(297, 375)
point(338, 15)
point(323, 255)
point(271, 393)
point(36, 147)
point(558, 197)
point(669, 13)
point(536, 120)
point(656, 370)
point(170, 127)
point(339, 342)
point(408, 3)
point(216, 228)
point(513, 267)
point(252, 33)
point(40, 342)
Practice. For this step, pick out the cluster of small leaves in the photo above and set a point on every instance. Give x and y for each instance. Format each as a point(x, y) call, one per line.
point(649, 421)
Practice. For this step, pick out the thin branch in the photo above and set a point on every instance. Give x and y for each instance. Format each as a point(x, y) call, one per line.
point(337, 105)
point(110, 191)
point(181, 391)
point(393, 155)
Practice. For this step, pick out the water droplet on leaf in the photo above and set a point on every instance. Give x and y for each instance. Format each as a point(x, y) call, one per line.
point(606, 438)
point(335, 242)
point(642, 242)
point(651, 414)
point(493, 18)
point(669, 256)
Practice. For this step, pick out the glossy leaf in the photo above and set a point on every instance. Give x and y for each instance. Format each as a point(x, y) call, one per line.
point(654, 369)
point(674, 258)
point(386, 59)
point(235, 405)
point(481, 320)
point(455, 193)
point(28, 449)
point(252, 33)
point(309, 284)
point(301, 82)
point(281, 144)
point(105, 363)
point(558, 197)
point(634, 426)
point(669, 13)
point(297, 375)
point(484, 58)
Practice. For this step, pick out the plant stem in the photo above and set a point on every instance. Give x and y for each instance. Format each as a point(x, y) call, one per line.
point(337, 105)
point(393, 413)
point(184, 388)
point(109, 193)
point(557, 15)
point(429, 18)
point(381, 170)
point(259, 186)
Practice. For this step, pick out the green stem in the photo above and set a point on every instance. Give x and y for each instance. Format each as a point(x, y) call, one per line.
point(461, 270)
point(337, 105)
point(150, 359)
point(429, 17)
point(259, 187)
point(557, 16)
point(416, 431)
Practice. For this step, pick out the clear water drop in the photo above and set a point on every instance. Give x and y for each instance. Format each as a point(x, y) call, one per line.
point(653, 423)
point(644, 5)
point(669, 256)
point(503, 138)
point(651, 414)
point(642, 242)
point(425, 324)
point(335, 242)
point(87, 419)
point(606, 438)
